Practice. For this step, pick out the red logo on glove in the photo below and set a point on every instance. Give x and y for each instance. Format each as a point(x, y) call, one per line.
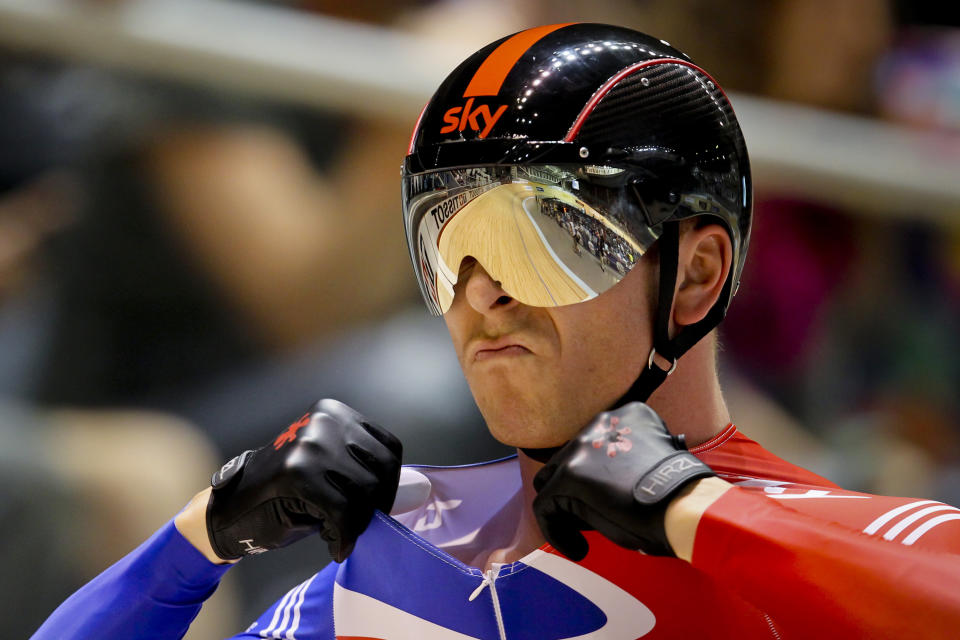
point(291, 433)
point(611, 436)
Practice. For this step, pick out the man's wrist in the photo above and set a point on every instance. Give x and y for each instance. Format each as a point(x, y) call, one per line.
point(685, 510)
point(192, 525)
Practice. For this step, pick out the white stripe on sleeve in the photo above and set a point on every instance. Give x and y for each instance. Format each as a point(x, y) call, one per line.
point(295, 624)
point(282, 614)
point(913, 517)
point(276, 614)
point(874, 526)
point(929, 524)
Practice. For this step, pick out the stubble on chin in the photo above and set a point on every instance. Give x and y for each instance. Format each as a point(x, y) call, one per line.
point(519, 421)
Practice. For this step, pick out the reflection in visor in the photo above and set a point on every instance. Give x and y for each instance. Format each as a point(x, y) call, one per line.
point(529, 227)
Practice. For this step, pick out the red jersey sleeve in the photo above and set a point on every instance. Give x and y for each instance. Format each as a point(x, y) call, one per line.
point(829, 563)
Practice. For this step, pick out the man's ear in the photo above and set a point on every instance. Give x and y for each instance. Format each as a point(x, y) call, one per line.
point(705, 259)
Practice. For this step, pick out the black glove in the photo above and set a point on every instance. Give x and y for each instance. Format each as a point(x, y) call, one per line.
point(617, 476)
point(325, 474)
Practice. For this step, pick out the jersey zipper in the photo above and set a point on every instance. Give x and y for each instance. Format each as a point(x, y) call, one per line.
point(489, 578)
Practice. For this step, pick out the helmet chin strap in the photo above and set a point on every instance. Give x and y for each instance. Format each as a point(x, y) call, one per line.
point(652, 376)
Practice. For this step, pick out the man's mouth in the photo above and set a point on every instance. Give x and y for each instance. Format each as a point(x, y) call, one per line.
point(510, 350)
point(499, 348)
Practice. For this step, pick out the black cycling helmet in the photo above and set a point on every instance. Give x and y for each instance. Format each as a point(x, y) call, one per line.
point(557, 156)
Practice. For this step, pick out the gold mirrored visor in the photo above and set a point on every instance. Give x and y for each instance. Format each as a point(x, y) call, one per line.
point(550, 235)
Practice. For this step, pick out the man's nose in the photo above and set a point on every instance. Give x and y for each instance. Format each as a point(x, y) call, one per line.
point(485, 294)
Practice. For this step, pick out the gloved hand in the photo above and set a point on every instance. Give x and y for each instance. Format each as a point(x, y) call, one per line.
point(325, 474)
point(617, 476)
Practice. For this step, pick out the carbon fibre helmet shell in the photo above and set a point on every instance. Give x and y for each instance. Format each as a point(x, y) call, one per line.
point(590, 94)
point(544, 90)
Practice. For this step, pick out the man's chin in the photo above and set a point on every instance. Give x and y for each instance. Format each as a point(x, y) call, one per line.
point(525, 421)
point(525, 438)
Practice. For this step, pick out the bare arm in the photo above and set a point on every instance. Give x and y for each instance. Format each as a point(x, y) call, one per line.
point(684, 513)
point(192, 525)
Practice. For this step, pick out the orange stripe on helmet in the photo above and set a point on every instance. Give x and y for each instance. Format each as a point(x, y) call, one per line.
point(493, 71)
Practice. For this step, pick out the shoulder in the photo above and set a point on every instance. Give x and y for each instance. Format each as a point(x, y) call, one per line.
point(734, 457)
point(304, 612)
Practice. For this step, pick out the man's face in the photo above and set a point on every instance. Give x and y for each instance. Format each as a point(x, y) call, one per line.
point(540, 374)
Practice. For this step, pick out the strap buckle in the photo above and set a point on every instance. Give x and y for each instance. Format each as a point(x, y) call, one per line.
point(650, 365)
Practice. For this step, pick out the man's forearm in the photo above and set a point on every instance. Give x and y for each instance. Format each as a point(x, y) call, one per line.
point(817, 576)
point(153, 592)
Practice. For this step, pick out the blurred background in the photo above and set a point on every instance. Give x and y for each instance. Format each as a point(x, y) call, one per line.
point(200, 235)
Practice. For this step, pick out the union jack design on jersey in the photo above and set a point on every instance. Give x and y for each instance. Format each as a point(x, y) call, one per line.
point(404, 581)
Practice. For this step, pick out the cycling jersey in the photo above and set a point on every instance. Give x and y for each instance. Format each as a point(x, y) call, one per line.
point(784, 554)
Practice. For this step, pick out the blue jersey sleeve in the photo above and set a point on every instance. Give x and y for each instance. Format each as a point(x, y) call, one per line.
point(304, 613)
point(154, 592)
